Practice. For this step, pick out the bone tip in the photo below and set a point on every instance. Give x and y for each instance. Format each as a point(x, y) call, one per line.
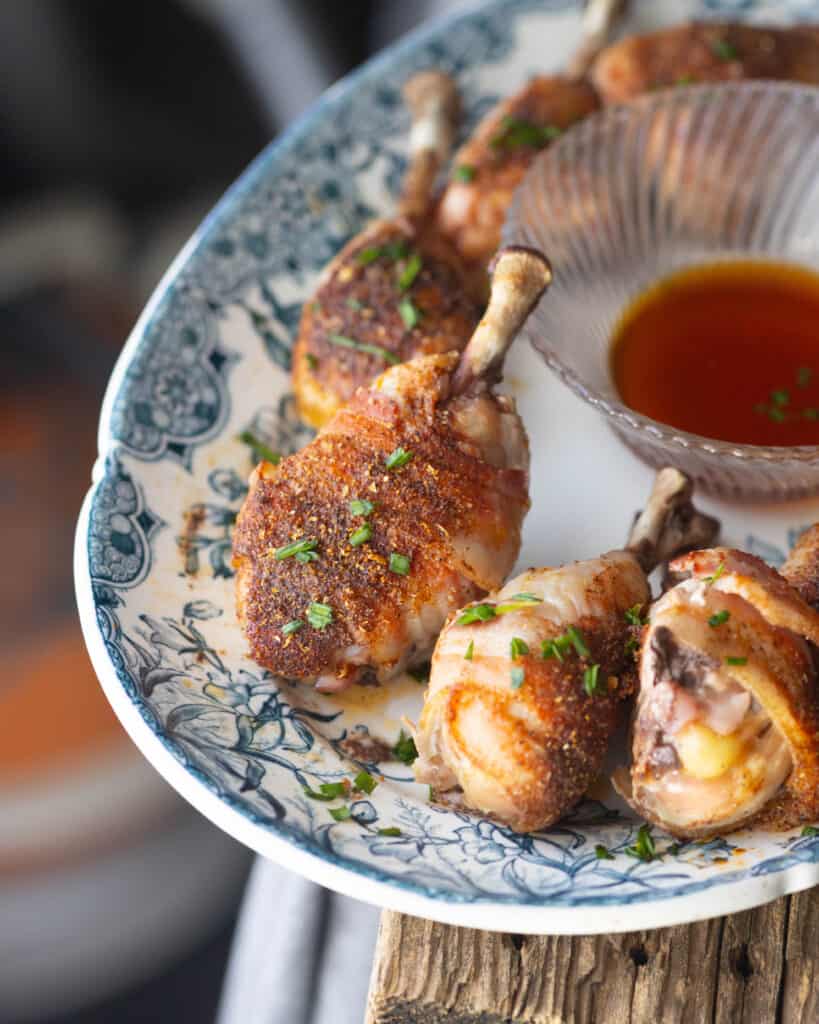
point(528, 268)
point(432, 87)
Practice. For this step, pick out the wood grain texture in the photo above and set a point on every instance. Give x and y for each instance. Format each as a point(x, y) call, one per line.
point(758, 967)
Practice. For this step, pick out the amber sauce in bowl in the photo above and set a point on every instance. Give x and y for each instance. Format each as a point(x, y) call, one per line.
point(728, 350)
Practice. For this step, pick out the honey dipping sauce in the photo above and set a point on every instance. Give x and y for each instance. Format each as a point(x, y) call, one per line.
point(727, 350)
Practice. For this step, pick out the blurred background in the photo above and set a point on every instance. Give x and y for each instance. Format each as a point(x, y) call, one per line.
point(120, 126)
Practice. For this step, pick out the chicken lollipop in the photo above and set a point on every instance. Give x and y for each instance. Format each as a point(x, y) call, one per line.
point(395, 291)
point(726, 729)
point(705, 52)
point(351, 553)
point(490, 166)
point(527, 688)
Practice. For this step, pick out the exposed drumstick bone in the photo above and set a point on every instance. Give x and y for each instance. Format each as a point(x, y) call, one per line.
point(670, 524)
point(599, 17)
point(519, 277)
point(435, 108)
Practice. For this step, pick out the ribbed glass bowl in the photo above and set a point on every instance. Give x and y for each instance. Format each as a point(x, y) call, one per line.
point(695, 174)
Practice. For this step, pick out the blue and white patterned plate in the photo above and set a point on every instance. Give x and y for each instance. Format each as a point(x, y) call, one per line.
point(208, 359)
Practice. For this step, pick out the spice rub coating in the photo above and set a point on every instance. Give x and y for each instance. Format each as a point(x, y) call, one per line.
point(448, 484)
point(705, 52)
point(394, 292)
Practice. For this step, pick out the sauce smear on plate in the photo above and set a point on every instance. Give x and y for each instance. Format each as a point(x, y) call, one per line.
point(726, 350)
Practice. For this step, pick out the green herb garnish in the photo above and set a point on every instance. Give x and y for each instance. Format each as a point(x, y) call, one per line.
point(634, 615)
point(556, 647)
point(342, 341)
point(361, 507)
point(736, 661)
point(340, 813)
point(780, 397)
point(364, 782)
point(327, 791)
point(360, 536)
point(312, 362)
point(319, 615)
point(369, 255)
point(578, 642)
point(470, 650)
point(517, 677)
point(602, 852)
point(405, 749)
point(260, 449)
point(517, 648)
point(410, 272)
point(516, 602)
point(719, 571)
point(516, 131)
point(392, 831)
point(724, 50)
point(410, 313)
point(718, 618)
point(592, 683)
point(809, 831)
point(644, 847)
point(306, 547)
point(399, 564)
point(399, 458)
point(464, 172)
point(476, 613)
point(289, 628)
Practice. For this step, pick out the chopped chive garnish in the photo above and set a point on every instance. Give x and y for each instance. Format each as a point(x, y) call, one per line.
point(780, 397)
point(353, 303)
point(396, 250)
point(307, 546)
point(517, 677)
point(736, 661)
point(464, 172)
point(312, 362)
point(342, 341)
point(260, 449)
point(399, 564)
point(470, 650)
point(602, 852)
point(340, 813)
point(405, 749)
point(410, 272)
point(289, 628)
point(578, 642)
point(476, 613)
point(810, 413)
point(398, 459)
point(634, 615)
point(724, 50)
point(410, 313)
point(517, 601)
point(809, 831)
point(776, 414)
point(517, 647)
point(420, 673)
point(369, 255)
point(361, 507)
point(644, 847)
point(327, 791)
point(319, 615)
point(717, 573)
point(804, 376)
point(364, 782)
point(718, 618)
point(516, 131)
point(392, 831)
point(360, 536)
point(592, 683)
point(555, 648)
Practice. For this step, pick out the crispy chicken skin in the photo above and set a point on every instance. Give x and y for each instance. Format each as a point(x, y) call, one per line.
point(454, 510)
point(526, 755)
point(705, 52)
point(726, 730)
point(359, 298)
point(491, 165)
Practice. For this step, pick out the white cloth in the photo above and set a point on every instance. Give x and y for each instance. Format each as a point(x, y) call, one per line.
point(301, 954)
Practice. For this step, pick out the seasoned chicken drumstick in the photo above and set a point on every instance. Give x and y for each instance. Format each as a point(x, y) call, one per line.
point(492, 163)
point(398, 289)
point(351, 553)
point(705, 52)
point(726, 728)
point(527, 687)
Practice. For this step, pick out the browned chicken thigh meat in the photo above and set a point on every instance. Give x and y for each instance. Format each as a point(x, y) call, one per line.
point(351, 553)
